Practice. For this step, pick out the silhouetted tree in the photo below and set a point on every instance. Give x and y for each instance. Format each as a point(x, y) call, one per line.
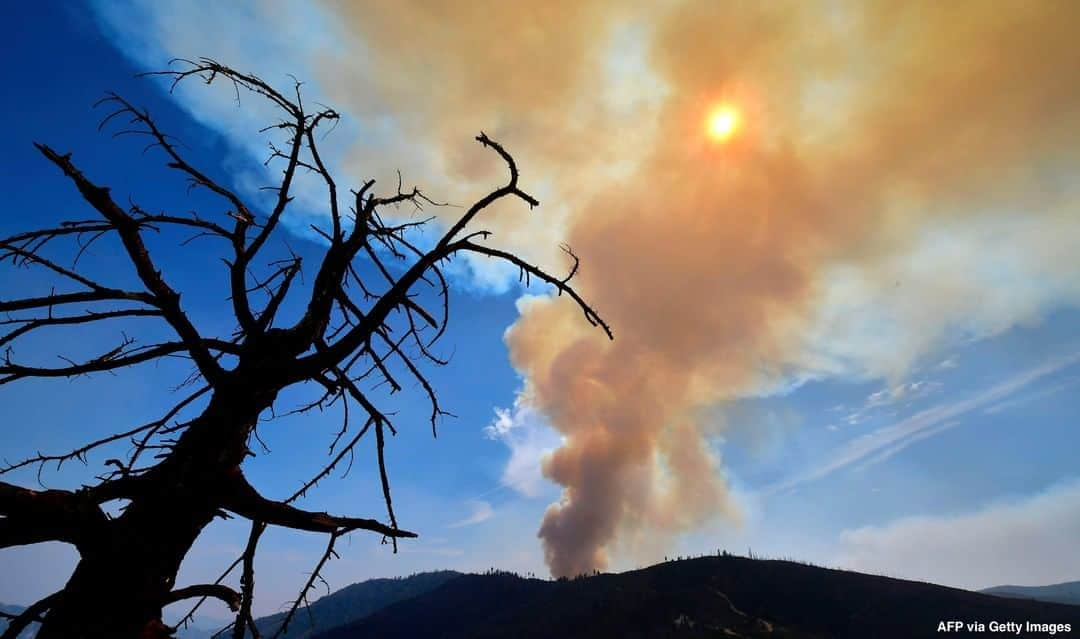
point(350, 332)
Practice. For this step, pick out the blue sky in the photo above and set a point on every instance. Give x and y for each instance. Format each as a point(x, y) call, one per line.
point(923, 433)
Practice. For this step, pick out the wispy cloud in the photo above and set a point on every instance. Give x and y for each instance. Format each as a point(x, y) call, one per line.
point(947, 363)
point(888, 452)
point(885, 442)
point(1032, 396)
point(1021, 541)
point(481, 512)
point(881, 401)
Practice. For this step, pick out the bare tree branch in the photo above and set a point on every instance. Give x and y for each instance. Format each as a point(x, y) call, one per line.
point(230, 597)
point(247, 584)
point(32, 516)
point(122, 356)
point(32, 324)
point(165, 298)
point(534, 271)
point(61, 299)
point(80, 452)
point(245, 501)
point(302, 598)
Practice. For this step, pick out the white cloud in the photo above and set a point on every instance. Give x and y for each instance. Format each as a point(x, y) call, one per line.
point(1032, 396)
point(902, 393)
point(919, 436)
point(1030, 541)
point(527, 434)
point(885, 442)
point(947, 363)
point(481, 512)
point(881, 320)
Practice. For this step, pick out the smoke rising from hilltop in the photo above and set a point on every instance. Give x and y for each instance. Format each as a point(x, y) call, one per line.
point(711, 261)
point(903, 172)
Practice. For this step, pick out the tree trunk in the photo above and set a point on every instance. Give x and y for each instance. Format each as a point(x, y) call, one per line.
point(119, 587)
point(127, 571)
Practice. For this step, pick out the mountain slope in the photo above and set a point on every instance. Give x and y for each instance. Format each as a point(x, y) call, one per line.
point(713, 596)
point(489, 606)
point(1065, 593)
point(352, 603)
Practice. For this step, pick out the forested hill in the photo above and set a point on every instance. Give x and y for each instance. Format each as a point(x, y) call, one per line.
point(340, 607)
point(724, 596)
point(353, 602)
point(706, 597)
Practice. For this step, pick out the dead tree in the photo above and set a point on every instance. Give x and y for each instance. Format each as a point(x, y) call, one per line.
point(179, 474)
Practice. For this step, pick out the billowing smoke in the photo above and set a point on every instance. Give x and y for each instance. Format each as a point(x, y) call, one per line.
point(712, 261)
point(902, 172)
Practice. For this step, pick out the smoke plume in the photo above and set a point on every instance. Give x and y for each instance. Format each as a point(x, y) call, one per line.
point(711, 261)
point(902, 171)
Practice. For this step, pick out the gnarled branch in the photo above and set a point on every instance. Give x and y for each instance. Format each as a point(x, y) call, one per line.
point(164, 297)
point(245, 501)
point(230, 597)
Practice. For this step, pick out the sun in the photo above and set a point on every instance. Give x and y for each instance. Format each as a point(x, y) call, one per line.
point(723, 122)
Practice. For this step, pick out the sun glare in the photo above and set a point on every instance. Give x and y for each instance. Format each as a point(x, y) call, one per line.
point(723, 123)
